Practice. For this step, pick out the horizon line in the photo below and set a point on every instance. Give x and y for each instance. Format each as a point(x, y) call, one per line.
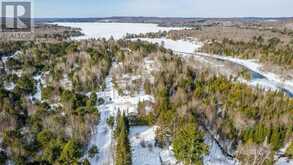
point(91, 17)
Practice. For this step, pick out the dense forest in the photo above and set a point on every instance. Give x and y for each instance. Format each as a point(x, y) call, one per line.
point(54, 127)
point(271, 51)
point(254, 120)
point(189, 103)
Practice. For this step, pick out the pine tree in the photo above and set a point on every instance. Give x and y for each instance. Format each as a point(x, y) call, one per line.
point(123, 149)
point(188, 144)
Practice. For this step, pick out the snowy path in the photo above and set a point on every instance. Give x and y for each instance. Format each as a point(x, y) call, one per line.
point(103, 138)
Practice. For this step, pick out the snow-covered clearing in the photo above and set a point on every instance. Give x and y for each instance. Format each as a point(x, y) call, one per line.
point(114, 103)
point(116, 30)
point(144, 151)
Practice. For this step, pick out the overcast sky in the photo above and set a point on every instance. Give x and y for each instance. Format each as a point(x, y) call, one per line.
point(164, 8)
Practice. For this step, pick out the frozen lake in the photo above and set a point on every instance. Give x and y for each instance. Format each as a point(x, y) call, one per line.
point(117, 30)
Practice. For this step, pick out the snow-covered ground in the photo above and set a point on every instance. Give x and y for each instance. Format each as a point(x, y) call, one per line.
point(38, 94)
point(281, 160)
point(284, 161)
point(103, 137)
point(66, 83)
point(177, 46)
point(4, 59)
point(215, 155)
point(117, 30)
point(9, 86)
point(144, 151)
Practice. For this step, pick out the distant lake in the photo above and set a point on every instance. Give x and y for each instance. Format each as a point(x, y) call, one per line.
point(117, 30)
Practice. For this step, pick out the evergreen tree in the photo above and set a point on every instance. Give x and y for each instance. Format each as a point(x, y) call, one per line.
point(123, 149)
point(71, 153)
point(188, 144)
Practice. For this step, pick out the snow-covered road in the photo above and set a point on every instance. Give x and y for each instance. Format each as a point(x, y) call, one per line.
point(103, 138)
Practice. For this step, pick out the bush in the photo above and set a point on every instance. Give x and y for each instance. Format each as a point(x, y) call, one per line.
point(92, 100)
point(52, 152)
point(70, 153)
point(93, 151)
point(86, 162)
point(47, 92)
point(110, 121)
point(25, 85)
point(44, 137)
point(3, 157)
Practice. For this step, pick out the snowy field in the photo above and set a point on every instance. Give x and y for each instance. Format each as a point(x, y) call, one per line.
point(117, 30)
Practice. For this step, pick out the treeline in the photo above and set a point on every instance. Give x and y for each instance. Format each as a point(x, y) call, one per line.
point(271, 51)
point(159, 34)
point(122, 148)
